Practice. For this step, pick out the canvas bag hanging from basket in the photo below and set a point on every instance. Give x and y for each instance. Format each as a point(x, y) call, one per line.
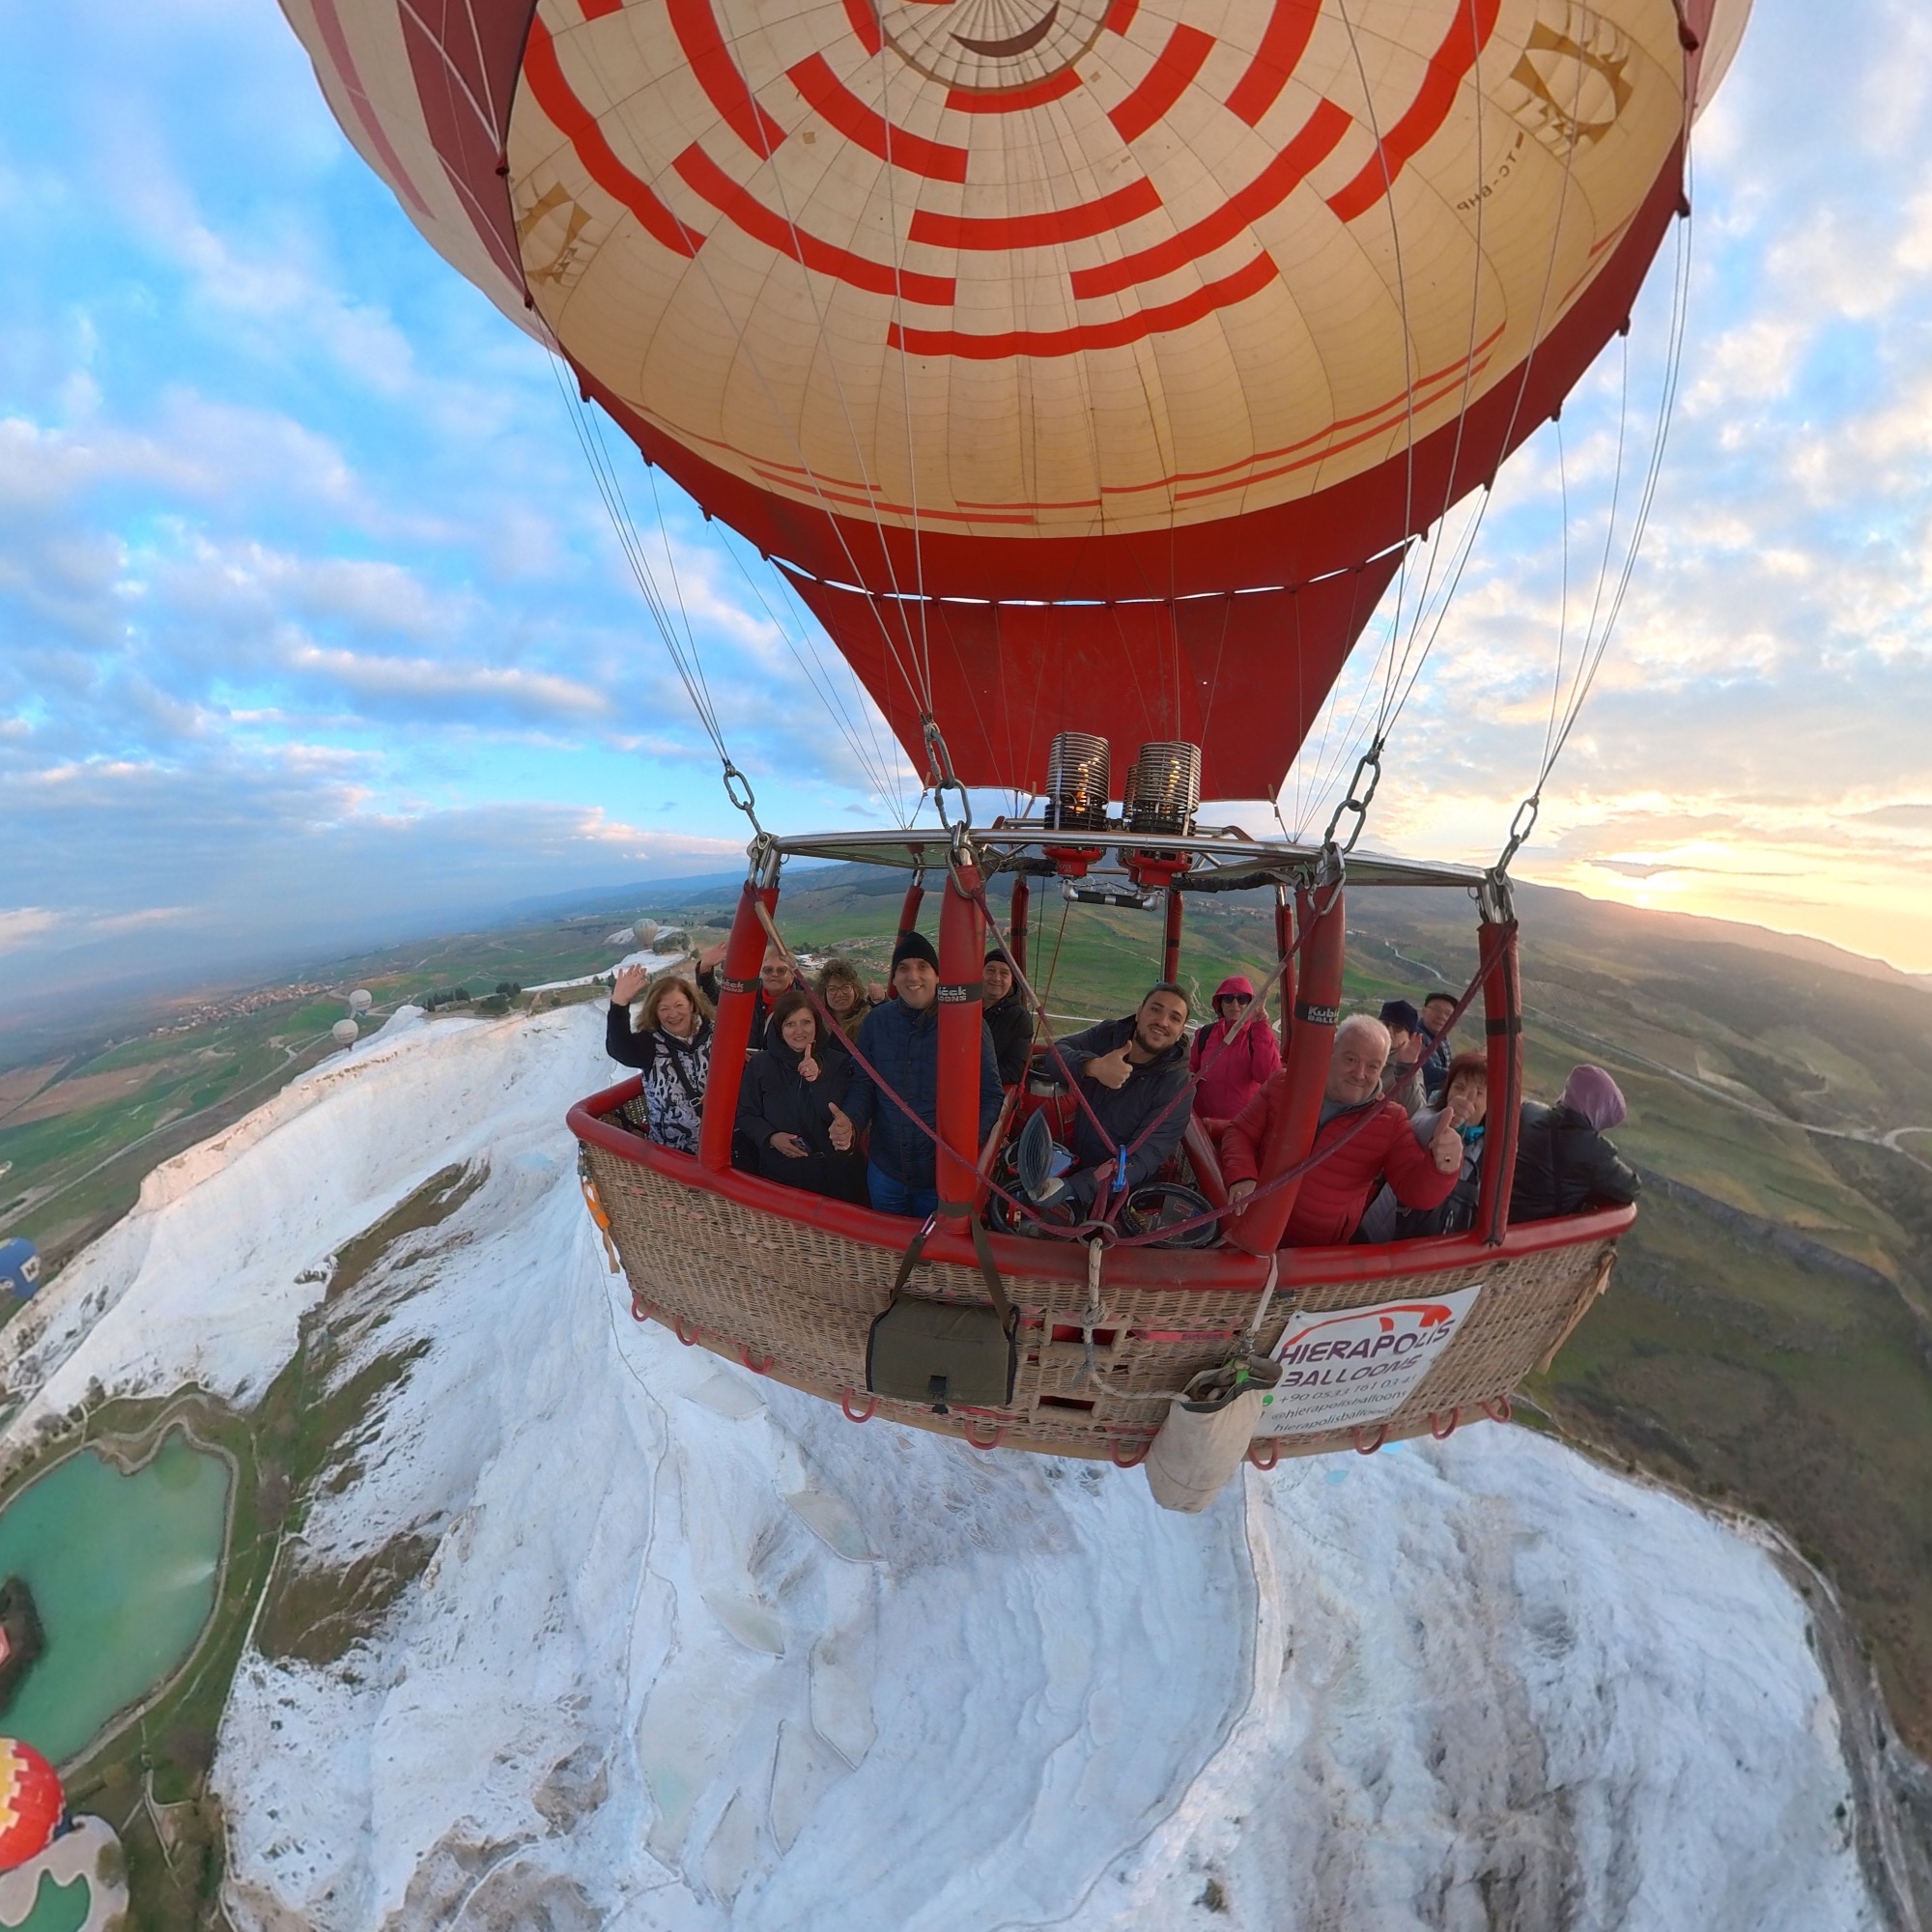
point(945, 1355)
point(1207, 1433)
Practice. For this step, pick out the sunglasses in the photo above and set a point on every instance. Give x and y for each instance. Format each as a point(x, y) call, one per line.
point(1236, 1000)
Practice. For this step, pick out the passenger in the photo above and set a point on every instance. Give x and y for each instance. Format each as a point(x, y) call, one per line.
point(1401, 1077)
point(900, 1038)
point(1563, 1163)
point(786, 1106)
point(1436, 1011)
point(1466, 1095)
point(1009, 1018)
point(1228, 1076)
point(1133, 1075)
point(774, 976)
point(671, 1048)
point(1335, 1191)
point(843, 992)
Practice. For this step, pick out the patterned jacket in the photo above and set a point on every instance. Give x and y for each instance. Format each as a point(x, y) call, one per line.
point(674, 1073)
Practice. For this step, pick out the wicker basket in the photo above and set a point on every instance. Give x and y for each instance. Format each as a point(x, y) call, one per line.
point(774, 1287)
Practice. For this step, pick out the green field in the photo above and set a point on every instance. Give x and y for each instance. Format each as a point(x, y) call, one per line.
point(70, 1174)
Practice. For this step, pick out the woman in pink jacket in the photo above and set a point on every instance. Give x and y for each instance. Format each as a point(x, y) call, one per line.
point(1230, 1071)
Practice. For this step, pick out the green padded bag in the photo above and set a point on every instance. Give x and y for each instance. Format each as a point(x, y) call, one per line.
point(945, 1355)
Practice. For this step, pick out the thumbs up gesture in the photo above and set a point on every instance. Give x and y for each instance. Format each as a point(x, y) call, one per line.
point(1110, 1070)
point(1446, 1148)
point(808, 1066)
point(841, 1129)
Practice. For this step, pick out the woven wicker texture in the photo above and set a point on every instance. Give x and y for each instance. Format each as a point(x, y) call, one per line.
point(797, 1302)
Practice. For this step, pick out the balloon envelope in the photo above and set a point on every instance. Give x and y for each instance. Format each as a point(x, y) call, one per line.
point(31, 1803)
point(345, 1032)
point(19, 1266)
point(361, 999)
point(1087, 361)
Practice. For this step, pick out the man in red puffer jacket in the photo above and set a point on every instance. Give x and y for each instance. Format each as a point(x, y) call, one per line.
point(1335, 1192)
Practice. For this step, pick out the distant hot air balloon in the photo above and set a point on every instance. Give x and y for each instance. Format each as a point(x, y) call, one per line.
point(1084, 363)
point(361, 999)
point(19, 1266)
point(31, 1803)
point(345, 1033)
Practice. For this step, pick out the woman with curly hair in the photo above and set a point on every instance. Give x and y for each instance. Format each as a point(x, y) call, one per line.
point(846, 996)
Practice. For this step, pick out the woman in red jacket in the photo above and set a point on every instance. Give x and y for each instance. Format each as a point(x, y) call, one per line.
point(1228, 1073)
point(1336, 1191)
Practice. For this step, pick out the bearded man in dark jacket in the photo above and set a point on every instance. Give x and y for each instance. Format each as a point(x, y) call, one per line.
point(1133, 1075)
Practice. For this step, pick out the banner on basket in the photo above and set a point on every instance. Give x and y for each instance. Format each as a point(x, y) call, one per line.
point(1341, 1367)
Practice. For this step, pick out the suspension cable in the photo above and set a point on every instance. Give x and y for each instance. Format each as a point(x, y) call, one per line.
point(1596, 643)
point(1400, 661)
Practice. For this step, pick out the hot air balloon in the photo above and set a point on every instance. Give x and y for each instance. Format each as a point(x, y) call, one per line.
point(345, 1033)
point(360, 1001)
point(19, 1266)
point(1087, 367)
point(31, 1803)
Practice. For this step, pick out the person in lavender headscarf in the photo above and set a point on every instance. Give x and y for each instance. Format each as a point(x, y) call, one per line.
point(1563, 1163)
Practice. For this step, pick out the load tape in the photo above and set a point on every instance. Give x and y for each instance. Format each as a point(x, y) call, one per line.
point(1503, 1029)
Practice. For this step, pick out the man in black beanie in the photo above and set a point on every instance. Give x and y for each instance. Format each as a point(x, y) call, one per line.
point(900, 1041)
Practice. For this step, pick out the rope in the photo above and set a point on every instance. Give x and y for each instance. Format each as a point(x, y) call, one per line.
point(877, 765)
point(872, 1074)
point(1596, 643)
point(1114, 1148)
point(683, 652)
point(1402, 675)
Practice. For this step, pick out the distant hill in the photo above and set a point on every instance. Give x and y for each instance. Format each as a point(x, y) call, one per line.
point(1611, 920)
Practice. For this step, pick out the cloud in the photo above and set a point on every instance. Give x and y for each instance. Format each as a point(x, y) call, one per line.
point(24, 925)
point(311, 618)
point(427, 682)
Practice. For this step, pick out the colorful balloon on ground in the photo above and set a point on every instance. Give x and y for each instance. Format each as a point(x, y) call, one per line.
point(31, 1803)
point(19, 1266)
point(1084, 363)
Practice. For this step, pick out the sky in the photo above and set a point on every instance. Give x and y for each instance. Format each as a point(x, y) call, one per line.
point(314, 630)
